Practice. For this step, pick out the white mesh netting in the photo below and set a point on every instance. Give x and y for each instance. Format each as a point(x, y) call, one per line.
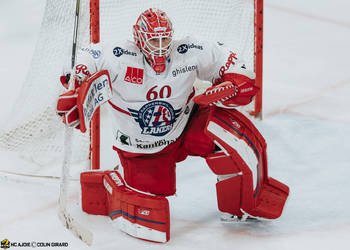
point(35, 131)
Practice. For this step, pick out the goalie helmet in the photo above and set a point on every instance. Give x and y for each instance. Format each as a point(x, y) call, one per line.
point(153, 33)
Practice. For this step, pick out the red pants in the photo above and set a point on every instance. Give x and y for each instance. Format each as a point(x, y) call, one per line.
point(155, 173)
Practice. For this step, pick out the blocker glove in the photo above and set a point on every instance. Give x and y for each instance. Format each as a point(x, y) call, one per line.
point(67, 108)
point(67, 103)
point(78, 105)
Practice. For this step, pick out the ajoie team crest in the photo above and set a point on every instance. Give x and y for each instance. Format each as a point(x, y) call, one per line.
point(156, 118)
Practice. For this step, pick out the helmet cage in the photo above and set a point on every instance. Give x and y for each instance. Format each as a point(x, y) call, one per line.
point(161, 49)
point(154, 52)
point(155, 41)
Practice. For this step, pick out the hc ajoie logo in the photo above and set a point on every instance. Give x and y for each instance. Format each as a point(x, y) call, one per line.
point(156, 118)
point(134, 75)
point(5, 244)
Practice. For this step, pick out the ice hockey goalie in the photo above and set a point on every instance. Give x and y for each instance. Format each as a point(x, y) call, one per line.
point(158, 120)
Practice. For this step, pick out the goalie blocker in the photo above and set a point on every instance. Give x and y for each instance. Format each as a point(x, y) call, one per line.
point(243, 188)
point(77, 106)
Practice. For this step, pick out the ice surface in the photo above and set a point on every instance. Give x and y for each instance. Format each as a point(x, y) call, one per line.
point(306, 125)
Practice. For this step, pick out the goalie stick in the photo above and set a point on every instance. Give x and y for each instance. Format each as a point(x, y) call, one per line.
point(67, 220)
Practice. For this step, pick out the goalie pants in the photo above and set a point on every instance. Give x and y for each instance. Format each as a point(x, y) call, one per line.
point(155, 173)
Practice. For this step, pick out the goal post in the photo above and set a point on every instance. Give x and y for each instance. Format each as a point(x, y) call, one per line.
point(95, 123)
point(36, 131)
point(258, 58)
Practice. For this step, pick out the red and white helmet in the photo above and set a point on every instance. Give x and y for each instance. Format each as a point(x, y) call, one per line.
point(153, 34)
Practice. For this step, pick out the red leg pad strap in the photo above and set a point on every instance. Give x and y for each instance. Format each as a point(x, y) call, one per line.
point(228, 201)
point(221, 164)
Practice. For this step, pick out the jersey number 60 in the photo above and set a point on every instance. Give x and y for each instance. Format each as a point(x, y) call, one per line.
point(164, 92)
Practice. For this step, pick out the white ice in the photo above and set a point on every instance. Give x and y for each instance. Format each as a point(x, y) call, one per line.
point(306, 125)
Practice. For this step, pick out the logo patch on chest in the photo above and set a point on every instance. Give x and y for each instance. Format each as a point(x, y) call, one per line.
point(134, 75)
point(156, 118)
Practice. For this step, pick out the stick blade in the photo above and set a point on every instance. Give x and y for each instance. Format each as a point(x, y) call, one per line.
point(77, 229)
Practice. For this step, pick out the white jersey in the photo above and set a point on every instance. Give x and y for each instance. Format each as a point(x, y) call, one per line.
point(150, 110)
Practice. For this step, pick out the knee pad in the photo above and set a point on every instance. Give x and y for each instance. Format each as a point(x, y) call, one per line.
point(244, 185)
point(153, 173)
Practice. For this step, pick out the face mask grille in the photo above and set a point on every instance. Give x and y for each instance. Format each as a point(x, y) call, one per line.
point(156, 44)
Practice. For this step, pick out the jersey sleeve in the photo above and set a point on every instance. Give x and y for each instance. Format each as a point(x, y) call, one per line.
point(91, 59)
point(216, 60)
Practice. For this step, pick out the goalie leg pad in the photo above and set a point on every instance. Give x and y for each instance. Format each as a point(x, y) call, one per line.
point(93, 193)
point(230, 182)
point(243, 171)
point(138, 214)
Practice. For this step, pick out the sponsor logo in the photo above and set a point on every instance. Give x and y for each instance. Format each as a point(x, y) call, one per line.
point(230, 61)
point(144, 212)
point(117, 51)
point(138, 140)
point(96, 95)
point(134, 75)
point(235, 123)
point(81, 68)
point(160, 29)
point(185, 69)
point(156, 118)
point(220, 43)
point(116, 179)
point(107, 186)
point(183, 48)
point(95, 53)
point(187, 110)
point(123, 138)
point(246, 89)
point(156, 144)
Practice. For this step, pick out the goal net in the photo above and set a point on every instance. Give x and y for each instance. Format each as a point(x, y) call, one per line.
point(36, 132)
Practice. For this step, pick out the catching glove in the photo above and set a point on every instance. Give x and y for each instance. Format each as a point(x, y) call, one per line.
point(235, 90)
